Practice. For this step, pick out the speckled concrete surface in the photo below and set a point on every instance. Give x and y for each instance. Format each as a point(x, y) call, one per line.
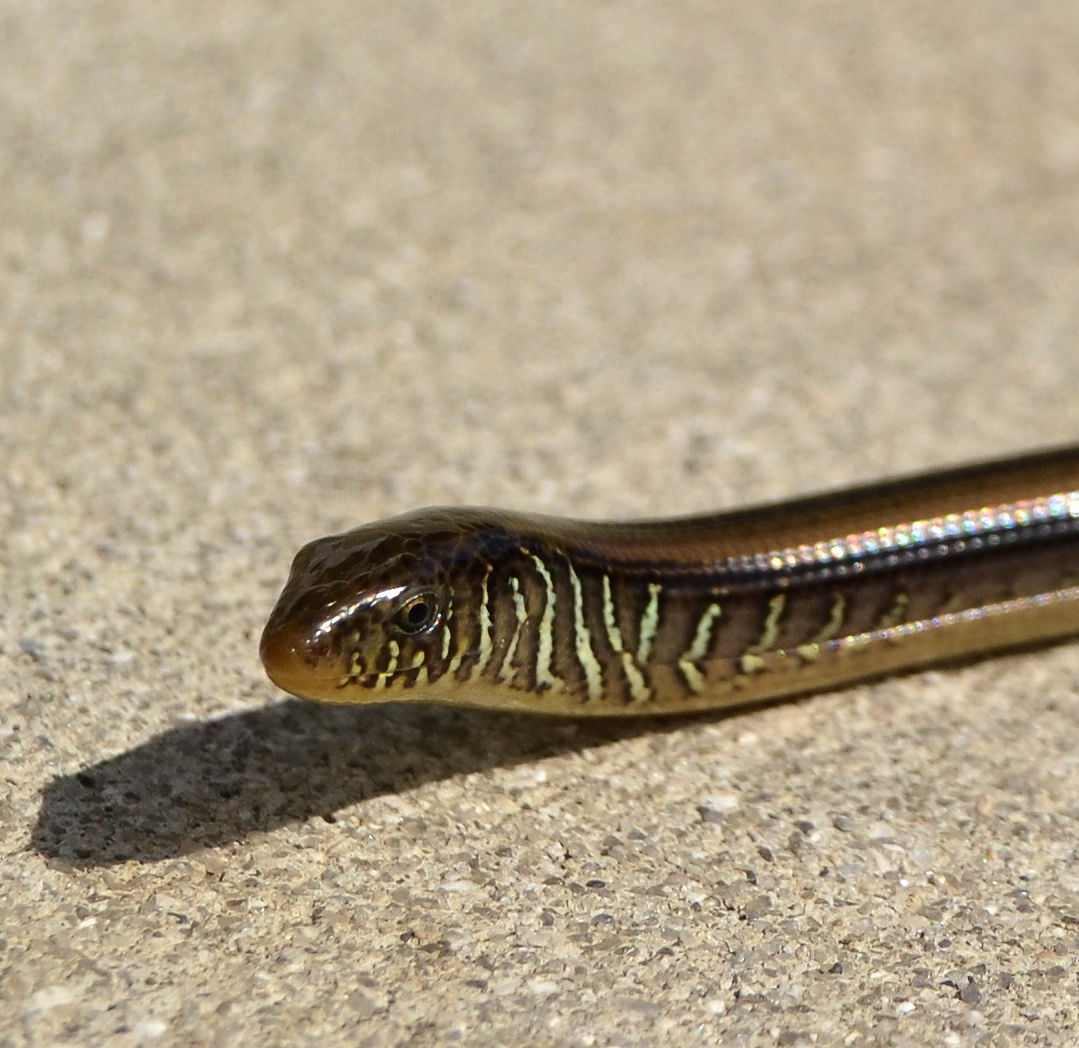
point(269, 270)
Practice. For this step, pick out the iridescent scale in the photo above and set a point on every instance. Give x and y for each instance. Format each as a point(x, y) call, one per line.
point(951, 532)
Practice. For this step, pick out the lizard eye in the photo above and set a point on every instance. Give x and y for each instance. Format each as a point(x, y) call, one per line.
point(419, 613)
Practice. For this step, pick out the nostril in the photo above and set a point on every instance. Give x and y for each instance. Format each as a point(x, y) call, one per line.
point(298, 662)
point(315, 648)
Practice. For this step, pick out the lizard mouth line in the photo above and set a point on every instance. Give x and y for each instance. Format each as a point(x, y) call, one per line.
point(380, 681)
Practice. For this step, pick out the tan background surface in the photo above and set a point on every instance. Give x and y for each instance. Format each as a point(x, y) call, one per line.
point(269, 270)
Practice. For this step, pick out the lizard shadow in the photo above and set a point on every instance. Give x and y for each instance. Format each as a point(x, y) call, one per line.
point(209, 783)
